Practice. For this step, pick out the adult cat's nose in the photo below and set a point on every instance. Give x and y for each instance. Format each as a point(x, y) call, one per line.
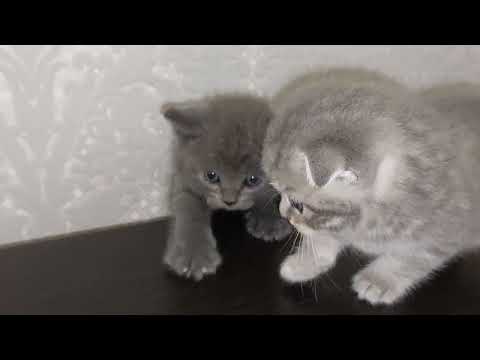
point(229, 203)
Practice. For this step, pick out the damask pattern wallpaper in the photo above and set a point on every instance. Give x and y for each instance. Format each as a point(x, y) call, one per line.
point(82, 144)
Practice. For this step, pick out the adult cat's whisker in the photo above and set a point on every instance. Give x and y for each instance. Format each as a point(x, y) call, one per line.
point(297, 234)
point(302, 248)
point(356, 257)
point(294, 241)
point(315, 253)
point(333, 282)
point(306, 242)
point(314, 283)
point(290, 238)
point(316, 257)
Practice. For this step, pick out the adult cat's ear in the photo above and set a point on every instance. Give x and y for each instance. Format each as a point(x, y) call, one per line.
point(300, 163)
point(187, 118)
point(346, 176)
point(322, 171)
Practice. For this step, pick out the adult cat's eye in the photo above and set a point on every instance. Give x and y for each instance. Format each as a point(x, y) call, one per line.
point(212, 177)
point(252, 181)
point(296, 204)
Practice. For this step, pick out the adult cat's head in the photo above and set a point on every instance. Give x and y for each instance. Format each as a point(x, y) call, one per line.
point(220, 142)
point(320, 185)
point(333, 144)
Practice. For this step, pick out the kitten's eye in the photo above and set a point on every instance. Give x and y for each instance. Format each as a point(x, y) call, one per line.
point(252, 181)
point(212, 177)
point(296, 204)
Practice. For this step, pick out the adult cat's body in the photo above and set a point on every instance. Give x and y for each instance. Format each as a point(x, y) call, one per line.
point(217, 154)
point(362, 161)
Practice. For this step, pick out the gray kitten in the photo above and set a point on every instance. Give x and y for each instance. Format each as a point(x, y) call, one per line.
point(217, 154)
point(362, 161)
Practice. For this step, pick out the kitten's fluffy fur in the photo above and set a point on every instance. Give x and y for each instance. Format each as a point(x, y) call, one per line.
point(222, 134)
point(381, 168)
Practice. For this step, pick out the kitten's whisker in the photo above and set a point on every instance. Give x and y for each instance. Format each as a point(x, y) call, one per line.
point(271, 190)
point(269, 201)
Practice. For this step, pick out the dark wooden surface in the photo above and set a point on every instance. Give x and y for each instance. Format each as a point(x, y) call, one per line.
point(119, 271)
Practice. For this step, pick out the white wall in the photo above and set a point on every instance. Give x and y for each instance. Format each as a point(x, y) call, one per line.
point(82, 144)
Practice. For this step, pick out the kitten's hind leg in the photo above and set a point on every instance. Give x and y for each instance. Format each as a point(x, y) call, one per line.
point(390, 277)
point(314, 257)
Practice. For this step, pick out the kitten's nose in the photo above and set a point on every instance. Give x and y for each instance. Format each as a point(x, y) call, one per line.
point(229, 196)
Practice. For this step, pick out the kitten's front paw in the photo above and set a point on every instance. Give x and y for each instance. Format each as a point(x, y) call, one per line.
point(267, 227)
point(297, 268)
point(379, 288)
point(191, 263)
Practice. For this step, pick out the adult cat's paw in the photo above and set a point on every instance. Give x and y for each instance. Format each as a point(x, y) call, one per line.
point(306, 264)
point(193, 263)
point(379, 288)
point(294, 269)
point(267, 226)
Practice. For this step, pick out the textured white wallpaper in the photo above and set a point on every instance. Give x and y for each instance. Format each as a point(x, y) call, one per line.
point(82, 144)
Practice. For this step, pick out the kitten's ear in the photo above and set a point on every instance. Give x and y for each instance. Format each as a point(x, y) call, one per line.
point(187, 118)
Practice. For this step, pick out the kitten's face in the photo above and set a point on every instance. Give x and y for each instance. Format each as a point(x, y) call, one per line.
point(226, 184)
point(236, 193)
point(220, 147)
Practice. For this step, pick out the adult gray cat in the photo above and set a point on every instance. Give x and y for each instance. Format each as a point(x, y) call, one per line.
point(362, 161)
point(217, 154)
